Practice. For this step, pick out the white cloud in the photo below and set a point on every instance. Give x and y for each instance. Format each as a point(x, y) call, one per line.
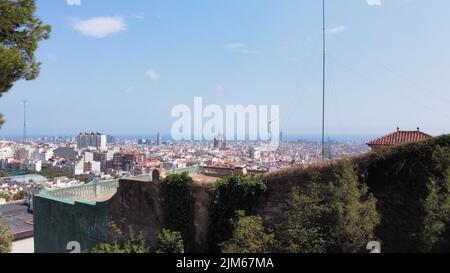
point(337, 29)
point(234, 46)
point(152, 74)
point(100, 27)
point(374, 2)
point(240, 47)
point(73, 2)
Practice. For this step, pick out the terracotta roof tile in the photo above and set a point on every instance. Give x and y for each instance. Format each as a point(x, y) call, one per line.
point(400, 137)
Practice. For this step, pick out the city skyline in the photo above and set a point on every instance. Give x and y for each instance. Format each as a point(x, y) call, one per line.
point(145, 58)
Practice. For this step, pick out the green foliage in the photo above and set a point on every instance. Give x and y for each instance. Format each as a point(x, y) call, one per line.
point(353, 214)
point(436, 223)
point(1, 120)
point(178, 207)
point(304, 230)
point(249, 236)
point(170, 242)
point(3, 173)
point(81, 178)
point(52, 174)
point(231, 194)
point(19, 196)
point(20, 32)
point(340, 216)
point(6, 197)
point(6, 237)
point(408, 182)
point(129, 244)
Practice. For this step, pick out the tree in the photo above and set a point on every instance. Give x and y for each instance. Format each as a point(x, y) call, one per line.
point(353, 214)
point(249, 236)
point(20, 33)
point(6, 237)
point(436, 223)
point(231, 194)
point(304, 230)
point(127, 244)
point(170, 242)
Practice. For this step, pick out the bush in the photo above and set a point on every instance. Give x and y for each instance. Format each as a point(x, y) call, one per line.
point(436, 223)
point(19, 196)
point(230, 195)
point(249, 236)
point(6, 237)
point(129, 244)
point(170, 242)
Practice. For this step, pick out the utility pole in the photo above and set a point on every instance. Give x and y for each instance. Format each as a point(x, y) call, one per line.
point(323, 78)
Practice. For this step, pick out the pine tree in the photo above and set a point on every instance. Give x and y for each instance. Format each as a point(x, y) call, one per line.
point(304, 231)
point(20, 32)
point(353, 214)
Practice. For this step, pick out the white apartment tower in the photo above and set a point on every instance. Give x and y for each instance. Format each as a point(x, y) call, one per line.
point(96, 140)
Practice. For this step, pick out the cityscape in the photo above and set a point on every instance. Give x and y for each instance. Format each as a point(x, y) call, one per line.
point(234, 127)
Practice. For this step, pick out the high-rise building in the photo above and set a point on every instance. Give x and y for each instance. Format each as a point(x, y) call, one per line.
point(96, 140)
point(255, 153)
point(158, 139)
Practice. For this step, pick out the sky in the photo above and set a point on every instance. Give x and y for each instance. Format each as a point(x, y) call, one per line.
point(119, 67)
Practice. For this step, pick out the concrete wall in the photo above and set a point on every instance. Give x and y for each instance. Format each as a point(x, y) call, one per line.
point(57, 223)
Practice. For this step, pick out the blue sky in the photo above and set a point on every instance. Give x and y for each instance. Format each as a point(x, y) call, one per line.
point(120, 66)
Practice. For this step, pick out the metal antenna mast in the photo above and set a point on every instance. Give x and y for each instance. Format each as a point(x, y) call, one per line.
point(323, 78)
point(24, 102)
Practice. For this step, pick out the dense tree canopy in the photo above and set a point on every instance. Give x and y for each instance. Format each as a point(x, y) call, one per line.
point(20, 32)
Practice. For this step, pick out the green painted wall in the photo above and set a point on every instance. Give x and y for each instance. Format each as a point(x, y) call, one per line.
point(57, 223)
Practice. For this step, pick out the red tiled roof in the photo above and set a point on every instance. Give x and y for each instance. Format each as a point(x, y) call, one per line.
point(400, 137)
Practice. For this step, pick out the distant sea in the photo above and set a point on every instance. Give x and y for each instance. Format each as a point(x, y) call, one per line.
point(167, 137)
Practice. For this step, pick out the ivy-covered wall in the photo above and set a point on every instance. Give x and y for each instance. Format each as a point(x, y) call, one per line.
point(409, 181)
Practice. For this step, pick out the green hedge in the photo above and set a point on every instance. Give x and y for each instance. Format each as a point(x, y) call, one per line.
point(412, 185)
